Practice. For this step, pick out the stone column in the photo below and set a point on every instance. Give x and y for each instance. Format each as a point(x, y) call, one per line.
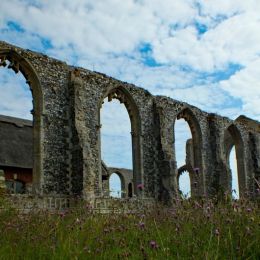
point(82, 132)
point(137, 165)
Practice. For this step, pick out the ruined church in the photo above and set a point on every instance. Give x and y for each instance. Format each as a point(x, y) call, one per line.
point(65, 145)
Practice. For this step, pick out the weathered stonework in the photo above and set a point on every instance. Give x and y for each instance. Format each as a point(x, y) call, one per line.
point(126, 179)
point(66, 114)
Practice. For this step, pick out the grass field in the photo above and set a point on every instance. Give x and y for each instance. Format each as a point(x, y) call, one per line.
point(188, 230)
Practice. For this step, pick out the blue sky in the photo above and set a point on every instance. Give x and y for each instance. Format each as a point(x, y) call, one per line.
point(204, 52)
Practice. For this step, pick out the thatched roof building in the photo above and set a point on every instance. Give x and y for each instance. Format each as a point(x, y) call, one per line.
point(16, 142)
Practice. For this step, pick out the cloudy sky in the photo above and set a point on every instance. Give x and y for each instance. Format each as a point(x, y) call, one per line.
point(204, 52)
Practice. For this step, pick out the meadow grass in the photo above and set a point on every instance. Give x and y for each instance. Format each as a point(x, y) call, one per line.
point(190, 229)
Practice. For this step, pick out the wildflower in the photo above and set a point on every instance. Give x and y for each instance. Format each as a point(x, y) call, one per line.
point(106, 230)
point(141, 225)
point(217, 233)
point(88, 206)
point(140, 186)
point(228, 221)
point(98, 250)
point(126, 254)
point(86, 248)
point(248, 231)
point(196, 169)
point(153, 244)
point(62, 214)
point(197, 205)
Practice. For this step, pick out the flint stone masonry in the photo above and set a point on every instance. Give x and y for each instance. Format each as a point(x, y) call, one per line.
point(126, 179)
point(66, 130)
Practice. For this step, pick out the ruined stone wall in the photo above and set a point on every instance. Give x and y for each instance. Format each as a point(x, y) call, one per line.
point(92, 90)
point(168, 111)
point(255, 163)
point(67, 157)
point(51, 113)
point(126, 178)
point(53, 77)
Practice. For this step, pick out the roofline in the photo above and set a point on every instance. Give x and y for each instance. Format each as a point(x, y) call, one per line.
point(3, 165)
point(16, 121)
point(119, 169)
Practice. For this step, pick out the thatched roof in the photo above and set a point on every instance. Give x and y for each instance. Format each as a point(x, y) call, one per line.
point(16, 142)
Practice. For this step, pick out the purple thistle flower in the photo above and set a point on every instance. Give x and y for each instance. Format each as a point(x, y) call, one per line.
point(196, 169)
point(140, 186)
point(141, 225)
point(153, 244)
point(249, 210)
point(62, 214)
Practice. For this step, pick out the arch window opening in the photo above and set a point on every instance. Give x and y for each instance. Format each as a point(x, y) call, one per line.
point(234, 173)
point(16, 97)
point(182, 134)
point(184, 185)
point(236, 181)
point(115, 186)
point(116, 142)
point(16, 129)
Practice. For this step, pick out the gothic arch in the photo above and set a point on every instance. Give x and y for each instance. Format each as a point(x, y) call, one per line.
point(122, 94)
point(182, 170)
point(232, 137)
point(122, 181)
point(18, 63)
point(197, 169)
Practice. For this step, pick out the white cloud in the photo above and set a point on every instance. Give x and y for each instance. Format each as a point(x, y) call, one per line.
point(228, 7)
point(106, 36)
point(16, 98)
point(245, 85)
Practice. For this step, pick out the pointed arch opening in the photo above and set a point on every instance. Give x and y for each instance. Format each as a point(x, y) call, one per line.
point(116, 185)
point(11, 59)
point(234, 174)
point(191, 145)
point(234, 156)
point(123, 96)
point(184, 182)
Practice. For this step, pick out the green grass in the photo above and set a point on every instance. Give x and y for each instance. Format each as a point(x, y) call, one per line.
point(187, 230)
